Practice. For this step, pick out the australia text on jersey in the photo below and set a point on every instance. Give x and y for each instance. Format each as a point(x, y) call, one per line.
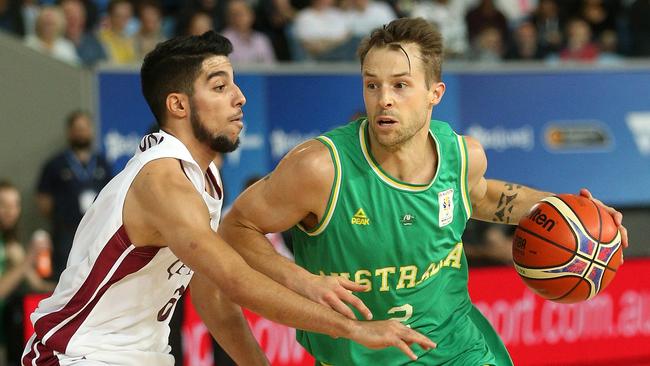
point(408, 274)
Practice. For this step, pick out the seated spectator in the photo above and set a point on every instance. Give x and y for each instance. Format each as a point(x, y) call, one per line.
point(598, 17)
point(579, 46)
point(485, 15)
point(249, 45)
point(199, 23)
point(516, 11)
point(89, 49)
point(525, 45)
point(117, 43)
point(638, 16)
point(11, 19)
point(488, 244)
point(608, 46)
point(365, 15)
point(488, 46)
point(449, 18)
point(322, 31)
point(49, 39)
point(214, 9)
point(16, 265)
point(29, 10)
point(274, 18)
point(549, 23)
point(150, 32)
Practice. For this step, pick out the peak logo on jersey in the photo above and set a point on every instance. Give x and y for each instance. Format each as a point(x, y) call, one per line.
point(445, 207)
point(407, 220)
point(360, 218)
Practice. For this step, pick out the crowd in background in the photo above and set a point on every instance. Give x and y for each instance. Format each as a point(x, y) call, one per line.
point(89, 32)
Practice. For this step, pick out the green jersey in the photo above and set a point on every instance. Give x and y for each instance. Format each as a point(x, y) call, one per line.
point(404, 242)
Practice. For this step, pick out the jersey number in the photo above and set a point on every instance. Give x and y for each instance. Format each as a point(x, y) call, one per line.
point(166, 310)
point(407, 309)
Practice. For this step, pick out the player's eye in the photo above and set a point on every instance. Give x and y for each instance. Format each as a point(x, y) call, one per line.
point(219, 88)
point(371, 86)
point(401, 85)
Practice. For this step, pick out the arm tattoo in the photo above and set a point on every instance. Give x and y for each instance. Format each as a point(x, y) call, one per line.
point(505, 204)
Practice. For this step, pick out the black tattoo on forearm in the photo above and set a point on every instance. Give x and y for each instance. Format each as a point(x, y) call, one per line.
point(504, 207)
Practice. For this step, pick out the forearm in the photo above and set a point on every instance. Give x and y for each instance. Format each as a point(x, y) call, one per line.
point(258, 293)
point(260, 254)
point(506, 203)
point(218, 314)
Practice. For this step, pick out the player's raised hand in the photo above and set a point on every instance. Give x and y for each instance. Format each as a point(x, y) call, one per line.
point(390, 333)
point(335, 293)
point(616, 215)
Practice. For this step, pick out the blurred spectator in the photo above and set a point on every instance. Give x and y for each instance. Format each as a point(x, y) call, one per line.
point(68, 185)
point(274, 18)
point(11, 19)
point(249, 45)
point(16, 265)
point(488, 46)
point(214, 9)
point(579, 46)
point(608, 46)
point(29, 10)
point(485, 15)
point(598, 17)
point(89, 49)
point(199, 23)
point(363, 16)
point(150, 32)
point(449, 17)
point(117, 43)
point(524, 45)
point(321, 29)
point(516, 11)
point(639, 20)
point(549, 24)
point(49, 39)
point(487, 244)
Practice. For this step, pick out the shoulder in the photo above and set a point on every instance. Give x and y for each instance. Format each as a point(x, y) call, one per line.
point(158, 178)
point(477, 160)
point(310, 159)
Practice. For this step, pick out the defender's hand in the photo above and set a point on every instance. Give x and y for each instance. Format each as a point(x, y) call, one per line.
point(335, 292)
point(390, 333)
point(617, 216)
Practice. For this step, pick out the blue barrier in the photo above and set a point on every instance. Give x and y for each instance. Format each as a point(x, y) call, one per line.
point(554, 131)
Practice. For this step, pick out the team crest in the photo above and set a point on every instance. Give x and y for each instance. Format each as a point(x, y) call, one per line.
point(445, 207)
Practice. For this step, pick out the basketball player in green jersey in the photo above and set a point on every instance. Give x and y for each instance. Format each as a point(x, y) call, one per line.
point(381, 204)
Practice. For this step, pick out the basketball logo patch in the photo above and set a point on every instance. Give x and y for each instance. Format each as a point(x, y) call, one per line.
point(445, 207)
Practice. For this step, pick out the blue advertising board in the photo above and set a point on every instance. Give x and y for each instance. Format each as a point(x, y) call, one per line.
point(554, 131)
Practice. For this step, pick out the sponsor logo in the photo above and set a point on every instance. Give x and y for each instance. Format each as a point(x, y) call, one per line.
point(407, 219)
point(360, 218)
point(571, 136)
point(540, 219)
point(639, 125)
point(500, 138)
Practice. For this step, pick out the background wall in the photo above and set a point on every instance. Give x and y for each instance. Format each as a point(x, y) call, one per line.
point(36, 94)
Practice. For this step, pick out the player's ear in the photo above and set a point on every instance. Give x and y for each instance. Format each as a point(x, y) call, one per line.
point(436, 92)
point(177, 105)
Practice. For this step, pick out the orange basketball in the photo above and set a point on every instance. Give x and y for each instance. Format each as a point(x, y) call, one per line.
point(567, 249)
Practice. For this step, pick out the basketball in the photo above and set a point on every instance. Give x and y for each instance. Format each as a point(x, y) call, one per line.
point(567, 248)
